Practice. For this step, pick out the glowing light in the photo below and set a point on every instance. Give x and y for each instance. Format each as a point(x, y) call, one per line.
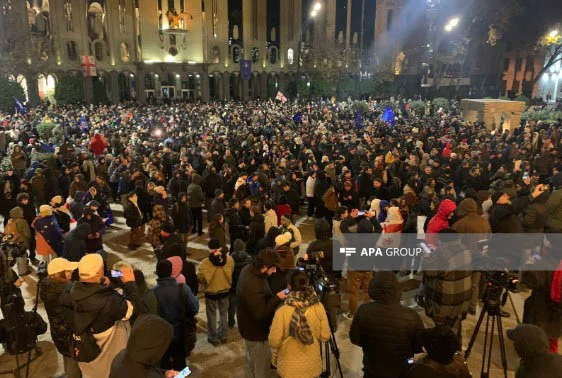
point(177, 76)
point(453, 23)
point(158, 133)
point(317, 7)
point(169, 59)
point(554, 33)
point(313, 14)
point(131, 76)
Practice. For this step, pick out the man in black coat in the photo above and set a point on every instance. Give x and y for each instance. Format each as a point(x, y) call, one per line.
point(29, 215)
point(75, 242)
point(256, 307)
point(385, 329)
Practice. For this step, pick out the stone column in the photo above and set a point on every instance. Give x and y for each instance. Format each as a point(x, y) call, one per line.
point(141, 95)
point(226, 86)
point(245, 90)
point(32, 89)
point(114, 81)
point(204, 87)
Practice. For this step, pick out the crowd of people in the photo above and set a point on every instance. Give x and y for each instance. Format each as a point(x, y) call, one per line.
point(250, 171)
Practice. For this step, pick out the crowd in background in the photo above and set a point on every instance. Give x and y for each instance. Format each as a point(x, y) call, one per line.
point(255, 168)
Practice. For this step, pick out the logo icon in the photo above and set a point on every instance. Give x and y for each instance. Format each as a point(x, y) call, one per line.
point(348, 251)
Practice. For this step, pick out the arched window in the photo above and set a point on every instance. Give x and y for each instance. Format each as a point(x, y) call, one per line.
point(236, 54)
point(273, 55)
point(68, 15)
point(71, 50)
point(124, 52)
point(148, 81)
point(290, 56)
point(255, 55)
point(216, 55)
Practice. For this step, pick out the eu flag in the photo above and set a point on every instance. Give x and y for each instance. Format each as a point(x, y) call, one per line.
point(388, 115)
point(246, 69)
point(297, 117)
point(358, 119)
point(20, 108)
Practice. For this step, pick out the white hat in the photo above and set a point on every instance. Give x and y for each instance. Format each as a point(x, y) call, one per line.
point(60, 265)
point(283, 239)
point(90, 265)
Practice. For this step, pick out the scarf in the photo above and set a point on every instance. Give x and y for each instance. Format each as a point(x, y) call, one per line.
point(218, 260)
point(556, 285)
point(301, 301)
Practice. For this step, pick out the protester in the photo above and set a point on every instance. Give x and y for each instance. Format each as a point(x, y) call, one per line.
point(178, 306)
point(134, 218)
point(386, 330)
point(48, 235)
point(299, 327)
point(196, 199)
point(256, 306)
point(241, 259)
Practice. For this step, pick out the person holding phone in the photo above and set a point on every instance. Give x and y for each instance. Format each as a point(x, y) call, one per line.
point(298, 329)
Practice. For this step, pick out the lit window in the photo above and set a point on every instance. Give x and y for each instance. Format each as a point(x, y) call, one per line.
point(290, 56)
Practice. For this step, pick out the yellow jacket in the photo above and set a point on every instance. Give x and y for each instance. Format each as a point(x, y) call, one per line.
point(217, 278)
point(292, 358)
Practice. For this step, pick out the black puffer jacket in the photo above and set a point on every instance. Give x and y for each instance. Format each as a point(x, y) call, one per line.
point(144, 351)
point(75, 242)
point(323, 244)
point(99, 307)
point(386, 330)
point(58, 304)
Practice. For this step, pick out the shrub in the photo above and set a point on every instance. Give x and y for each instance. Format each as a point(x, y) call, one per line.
point(362, 106)
point(417, 106)
point(525, 99)
point(45, 129)
point(8, 90)
point(441, 102)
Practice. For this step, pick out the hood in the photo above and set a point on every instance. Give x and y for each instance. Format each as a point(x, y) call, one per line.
point(529, 341)
point(466, 207)
point(177, 265)
point(196, 179)
point(83, 290)
point(375, 207)
point(51, 290)
point(446, 207)
point(384, 288)
point(81, 231)
point(322, 229)
point(382, 204)
point(16, 213)
point(142, 346)
point(180, 196)
point(78, 196)
point(394, 216)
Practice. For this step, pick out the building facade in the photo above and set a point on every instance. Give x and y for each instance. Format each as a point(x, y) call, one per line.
point(191, 49)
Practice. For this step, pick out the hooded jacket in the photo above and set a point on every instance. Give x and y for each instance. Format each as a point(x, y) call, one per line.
point(531, 344)
point(144, 351)
point(470, 222)
point(386, 330)
point(181, 215)
point(75, 242)
point(323, 244)
point(439, 222)
point(23, 232)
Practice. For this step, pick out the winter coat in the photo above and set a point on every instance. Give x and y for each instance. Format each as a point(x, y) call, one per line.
point(96, 226)
point(39, 185)
point(218, 279)
point(195, 195)
point(448, 281)
point(167, 292)
point(504, 220)
point(386, 330)
point(439, 222)
point(241, 259)
point(58, 304)
point(217, 207)
point(98, 144)
point(281, 210)
point(48, 236)
point(142, 356)
point(554, 211)
point(20, 225)
point(77, 206)
point(181, 216)
point(533, 216)
point(236, 229)
point(291, 357)
point(75, 243)
point(539, 309)
point(133, 215)
point(430, 368)
point(270, 219)
point(323, 244)
point(471, 222)
point(63, 219)
point(256, 304)
point(218, 232)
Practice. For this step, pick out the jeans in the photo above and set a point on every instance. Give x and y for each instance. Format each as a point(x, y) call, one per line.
point(311, 206)
point(258, 360)
point(174, 358)
point(358, 281)
point(212, 305)
point(197, 213)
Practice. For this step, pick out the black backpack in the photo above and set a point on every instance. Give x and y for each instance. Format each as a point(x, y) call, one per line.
point(84, 345)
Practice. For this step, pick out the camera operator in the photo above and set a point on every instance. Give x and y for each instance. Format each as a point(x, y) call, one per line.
point(324, 244)
point(55, 294)
point(102, 310)
point(447, 280)
point(386, 330)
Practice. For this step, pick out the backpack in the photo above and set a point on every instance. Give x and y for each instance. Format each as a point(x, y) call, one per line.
point(84, 347)
point(11, 229)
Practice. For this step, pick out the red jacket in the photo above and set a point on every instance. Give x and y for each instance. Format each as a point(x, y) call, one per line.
point(439, 222)
point(281, 210)
point(98, 144)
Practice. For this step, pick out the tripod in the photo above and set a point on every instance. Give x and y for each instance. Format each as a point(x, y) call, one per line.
point(16, 372)
point(325, 349)
point(492, 309)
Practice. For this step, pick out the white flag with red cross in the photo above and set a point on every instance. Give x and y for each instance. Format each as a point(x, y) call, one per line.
point(281, 97)
point(88, 64)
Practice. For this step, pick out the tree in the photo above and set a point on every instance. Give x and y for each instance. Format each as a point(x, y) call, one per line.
point(8, 91)
point(418, 107)
point(346, 87)
point(321, 87)
point(69, 89)
point(440, 102)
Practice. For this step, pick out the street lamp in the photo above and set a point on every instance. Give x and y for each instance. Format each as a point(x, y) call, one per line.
point(453, 23)
point(315, 9)
point(554, 33)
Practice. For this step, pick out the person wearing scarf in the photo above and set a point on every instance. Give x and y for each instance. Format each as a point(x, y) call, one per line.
point(298, 329)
